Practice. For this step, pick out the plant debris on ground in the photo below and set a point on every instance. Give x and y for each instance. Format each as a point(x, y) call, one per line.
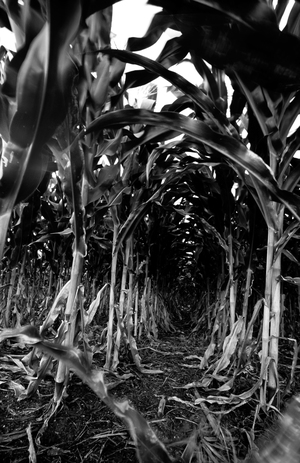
point(84, 429)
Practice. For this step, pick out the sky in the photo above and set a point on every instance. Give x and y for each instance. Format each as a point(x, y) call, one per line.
point(7, 38)
point(131, 18)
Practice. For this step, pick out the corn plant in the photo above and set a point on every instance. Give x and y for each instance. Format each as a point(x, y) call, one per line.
point(271, 101)
point(62, 103)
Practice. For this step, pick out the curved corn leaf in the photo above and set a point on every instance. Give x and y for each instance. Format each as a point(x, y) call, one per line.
point(291, 148)
point(292, 179)
point(150, 134)
point(43, 77)
point(262, 197)
point(288, 233)
point(210, 83)
point(231, 149)
point(108, 175)
point(29, 20)
point(293, 22)
point(240, 37)
point(159, 24)
point(290, 256)
point(171, 177)
point(173, 52)
point(99, 24)
point(9, 86)
point(148, 447)
point(292, 280)
point(190, 90)
point(44, 80)
point(251, 14)
point(100, 85)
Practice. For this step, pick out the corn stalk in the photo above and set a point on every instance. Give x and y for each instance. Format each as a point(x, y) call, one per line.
point(111, 315)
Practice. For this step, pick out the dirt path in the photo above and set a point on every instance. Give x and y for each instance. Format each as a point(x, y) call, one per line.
point(85, 430)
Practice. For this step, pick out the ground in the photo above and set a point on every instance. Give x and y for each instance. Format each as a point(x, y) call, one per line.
point(85, 430)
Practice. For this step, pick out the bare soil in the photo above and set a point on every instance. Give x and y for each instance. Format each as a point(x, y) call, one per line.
point(85, 430)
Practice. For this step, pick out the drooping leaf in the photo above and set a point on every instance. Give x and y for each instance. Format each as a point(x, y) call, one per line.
point(252, 13)
point(210, 83)
point(292, 280)
point(290, 116)
point(99, 24)
point(44, 78)
point(56, 308)
point(293, 144)
point(173, 52)
point(89, 315)
point(288, 233)
point(159, 24)
point(290, 256)
point(106, 178)
point(109, 147)
point(149, 448)
point(229, 347)
point(99, 88)
point(231, 149)
point(212, 231)
point(150, 134)
point(292, 179)
point(190, 90)
point(11, 162)
point(262, 197)
point(108, 175)
point(239, 36)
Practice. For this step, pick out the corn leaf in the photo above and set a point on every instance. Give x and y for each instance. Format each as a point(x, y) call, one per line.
point(190, 90)
point(231, 149)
